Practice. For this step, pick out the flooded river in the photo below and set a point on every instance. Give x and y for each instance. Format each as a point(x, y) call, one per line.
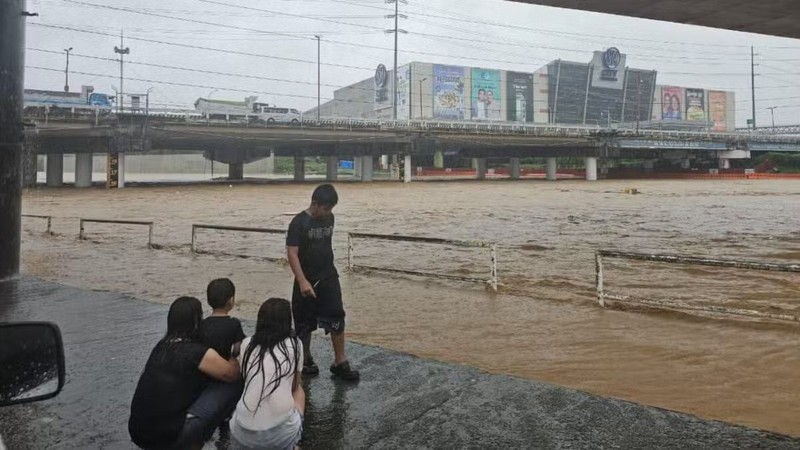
point(544, 323)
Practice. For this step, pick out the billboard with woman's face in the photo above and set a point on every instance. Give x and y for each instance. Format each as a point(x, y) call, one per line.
point(671, 103)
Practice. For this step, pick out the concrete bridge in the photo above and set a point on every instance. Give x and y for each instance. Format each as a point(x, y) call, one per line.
point(238, 142)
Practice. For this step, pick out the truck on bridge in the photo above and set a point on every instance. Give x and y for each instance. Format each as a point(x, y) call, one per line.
point(41, 103)
point(248, 111)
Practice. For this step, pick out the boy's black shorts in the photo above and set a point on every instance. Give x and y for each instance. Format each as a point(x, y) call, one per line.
point(325, 311)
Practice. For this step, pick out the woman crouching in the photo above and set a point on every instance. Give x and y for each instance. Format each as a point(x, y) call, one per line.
point(270, 413)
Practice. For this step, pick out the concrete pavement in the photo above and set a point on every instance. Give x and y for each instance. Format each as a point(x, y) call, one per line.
point(401, 402)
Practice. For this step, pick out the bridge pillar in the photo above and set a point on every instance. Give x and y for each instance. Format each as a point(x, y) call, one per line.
point(83, 170)
point(55, 170)
point(514, 168)
point(367, 165)
point(357, 163)
point(299, 168)
point(332, 168)
point(235, 171)
point(552, 168)
point(724, 163)
point(407, 169)
point(686, 163)
point(271, 163)
point(384, 162)
point(120, 170)
point(438, 159)
point(480, 168)
point(591, 168)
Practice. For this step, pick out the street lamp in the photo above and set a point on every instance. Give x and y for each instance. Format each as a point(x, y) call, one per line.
point(420, 96)
point(772, 111)
point(210, 93)
point(66, 70)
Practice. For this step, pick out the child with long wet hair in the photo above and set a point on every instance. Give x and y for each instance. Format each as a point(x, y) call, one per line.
point(270, 413)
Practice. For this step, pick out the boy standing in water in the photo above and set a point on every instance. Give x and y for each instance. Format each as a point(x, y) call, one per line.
point(317, 295)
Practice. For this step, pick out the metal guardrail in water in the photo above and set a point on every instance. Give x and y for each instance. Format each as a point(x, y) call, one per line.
point(196, 227)
point(38, 216)
point(492, 281)
point(149, 225)
point(602, 295)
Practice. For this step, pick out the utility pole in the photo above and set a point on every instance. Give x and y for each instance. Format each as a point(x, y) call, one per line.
point(319, 76)
point(772, 111)
point(66, 70)
point(396, 16)
point(12, 67)
point(753, 82)
point(122, 51)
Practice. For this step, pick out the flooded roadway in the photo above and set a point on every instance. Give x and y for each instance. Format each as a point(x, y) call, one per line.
point(544, 323)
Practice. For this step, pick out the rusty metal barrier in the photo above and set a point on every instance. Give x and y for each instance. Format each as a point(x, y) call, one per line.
point(492, 281)
point(149, 225)
point(48, 218)
point(196, 227)
point(602, 295)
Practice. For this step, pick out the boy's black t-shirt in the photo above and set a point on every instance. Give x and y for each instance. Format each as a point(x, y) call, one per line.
point(313, 237)
point(170, 383)
point(220, 333)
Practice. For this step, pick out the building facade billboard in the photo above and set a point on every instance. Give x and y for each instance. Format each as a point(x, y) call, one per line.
point(671, 103)
point(403, 92)
point(696, 105)
point(519, 97)
point(486, 101)
point(717, 104)
point(448, 92)
point(608, 69)
point(383, 88)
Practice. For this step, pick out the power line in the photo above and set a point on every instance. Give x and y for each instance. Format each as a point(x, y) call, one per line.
point(200, 47)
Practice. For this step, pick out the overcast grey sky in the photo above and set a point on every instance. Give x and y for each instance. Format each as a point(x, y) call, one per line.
point(271, 44)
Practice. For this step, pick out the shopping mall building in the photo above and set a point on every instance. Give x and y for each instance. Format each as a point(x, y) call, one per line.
point(604, 92)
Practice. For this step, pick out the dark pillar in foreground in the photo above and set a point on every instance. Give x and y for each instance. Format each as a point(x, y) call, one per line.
point(12, 40)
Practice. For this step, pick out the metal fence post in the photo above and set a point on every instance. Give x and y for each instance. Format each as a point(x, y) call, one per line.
point(80, 234)
point(150, 236)
point(194, 237)
point(494, 267)
point(598, 259)
point(349, 251)
point(49, 225)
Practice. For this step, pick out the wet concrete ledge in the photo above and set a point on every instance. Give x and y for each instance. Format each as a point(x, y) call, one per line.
point(401, 402)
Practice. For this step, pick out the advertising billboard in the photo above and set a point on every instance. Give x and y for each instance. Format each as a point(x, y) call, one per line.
point(448, 92)
point(696, 105)
point(717, 102)
point(671, 103)
point(519, 97)
point(486, 101)
point(403, 92)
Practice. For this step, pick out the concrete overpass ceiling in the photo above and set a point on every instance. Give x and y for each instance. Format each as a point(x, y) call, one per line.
point(772, 17)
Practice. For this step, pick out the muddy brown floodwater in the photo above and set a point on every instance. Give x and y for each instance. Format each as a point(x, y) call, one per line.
point(544, 324)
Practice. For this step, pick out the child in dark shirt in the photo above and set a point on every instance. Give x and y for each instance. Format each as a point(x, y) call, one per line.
point(222, 332)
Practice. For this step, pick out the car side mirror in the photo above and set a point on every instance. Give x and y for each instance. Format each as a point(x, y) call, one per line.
point(32, 361)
